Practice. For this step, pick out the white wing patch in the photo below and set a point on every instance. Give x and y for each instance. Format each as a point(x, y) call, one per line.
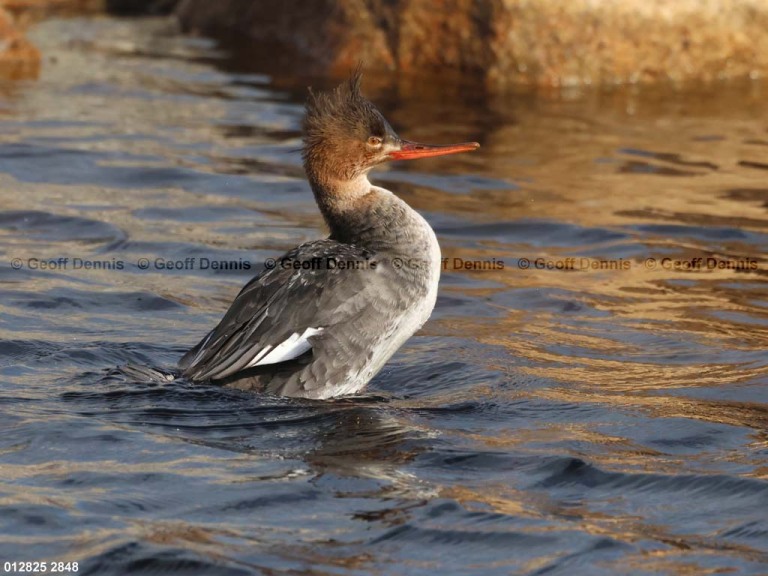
point(289, 349)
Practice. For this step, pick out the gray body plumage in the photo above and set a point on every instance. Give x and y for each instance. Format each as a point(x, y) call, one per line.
point(321, 329)
point(365, 311)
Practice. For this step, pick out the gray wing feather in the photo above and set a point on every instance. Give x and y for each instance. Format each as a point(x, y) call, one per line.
point(278, 303)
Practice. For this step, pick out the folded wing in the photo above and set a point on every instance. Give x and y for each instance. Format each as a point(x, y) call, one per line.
point(279, 314)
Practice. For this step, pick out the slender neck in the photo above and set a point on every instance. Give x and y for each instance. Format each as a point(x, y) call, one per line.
point(338, 199)
point(358, 213)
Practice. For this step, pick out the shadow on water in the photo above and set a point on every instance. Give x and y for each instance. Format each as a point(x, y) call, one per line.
point(357, 447)
point(235, 420)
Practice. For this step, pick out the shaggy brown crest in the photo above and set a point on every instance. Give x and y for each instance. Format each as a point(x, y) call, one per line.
point(336, 126)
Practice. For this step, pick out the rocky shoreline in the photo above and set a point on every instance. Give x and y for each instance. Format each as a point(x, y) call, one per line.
point(505, 42)
point(18, 56)
point(500, 43)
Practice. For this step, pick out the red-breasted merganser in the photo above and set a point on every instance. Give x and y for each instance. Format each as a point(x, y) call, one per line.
point(330, 313)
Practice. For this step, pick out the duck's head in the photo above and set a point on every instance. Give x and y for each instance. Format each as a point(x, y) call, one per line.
point(345, 136)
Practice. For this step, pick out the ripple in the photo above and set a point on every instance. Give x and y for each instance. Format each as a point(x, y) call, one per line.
point(47, 227)
point(142, 558)
point(574, 472)
point(534, 233)
point(63, 299)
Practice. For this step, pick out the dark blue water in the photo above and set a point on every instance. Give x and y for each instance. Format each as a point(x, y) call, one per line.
point(595, 405)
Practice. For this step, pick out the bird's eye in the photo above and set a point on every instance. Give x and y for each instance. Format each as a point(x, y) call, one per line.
point(374, 141)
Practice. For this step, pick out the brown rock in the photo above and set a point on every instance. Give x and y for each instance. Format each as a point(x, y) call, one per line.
point(322, 35)
point(28, 11)
point(503, 42)
point(594, 41)
point(17, 6)
point(18, 57)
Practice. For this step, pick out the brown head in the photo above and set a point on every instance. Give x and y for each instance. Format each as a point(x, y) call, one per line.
point(345, 136)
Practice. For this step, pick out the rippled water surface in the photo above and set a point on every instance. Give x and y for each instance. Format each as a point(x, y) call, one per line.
point(593, 401)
